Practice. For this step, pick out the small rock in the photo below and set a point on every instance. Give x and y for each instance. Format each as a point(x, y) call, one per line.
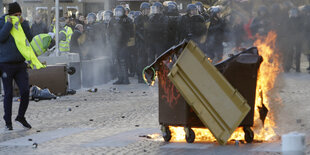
point(131, 92)
point(298, 121)
point(69, 109)
point(123, 116)
point(144, 92)
point(145, 150)
point(91, 120)
point(29, 139)
point(34, 145)
point(38, 131)
point(303, 125)
point(77, 106)
point(85, 99)
point(137, 125)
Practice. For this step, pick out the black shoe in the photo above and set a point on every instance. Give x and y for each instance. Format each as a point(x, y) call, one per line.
point(23, 122)
point(8, 127)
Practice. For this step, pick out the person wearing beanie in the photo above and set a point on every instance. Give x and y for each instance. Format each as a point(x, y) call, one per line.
point(12, 63)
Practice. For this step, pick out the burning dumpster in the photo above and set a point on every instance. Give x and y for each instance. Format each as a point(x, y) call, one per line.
point(175, 111)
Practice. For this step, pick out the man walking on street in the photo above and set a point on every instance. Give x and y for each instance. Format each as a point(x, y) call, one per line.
point(13, 52)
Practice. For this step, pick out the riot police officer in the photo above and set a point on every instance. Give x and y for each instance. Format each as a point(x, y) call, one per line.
point(173, 15)
point(261, 24)
point(295, 37)
point(107, 16)
point(305, 14)
point(202, 11)
point(157, 31)
point(192, 26)
point(142, 41)
point(121, 28)
point(216, 35)
point(91, 37)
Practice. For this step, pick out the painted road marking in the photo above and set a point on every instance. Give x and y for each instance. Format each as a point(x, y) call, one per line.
point(268, 147)
point(122, 139)
point(185, 145)
point(43, 137)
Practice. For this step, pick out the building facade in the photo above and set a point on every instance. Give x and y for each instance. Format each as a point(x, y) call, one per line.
point(46, 8)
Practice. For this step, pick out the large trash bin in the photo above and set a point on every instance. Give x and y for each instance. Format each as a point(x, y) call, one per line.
point(240, 70)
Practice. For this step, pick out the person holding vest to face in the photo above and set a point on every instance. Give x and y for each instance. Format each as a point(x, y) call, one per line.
point(15, 49)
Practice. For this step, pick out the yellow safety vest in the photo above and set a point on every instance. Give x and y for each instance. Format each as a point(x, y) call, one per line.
point(38, 43)
point(68, 30)
point(23, 44)
point(64, 45)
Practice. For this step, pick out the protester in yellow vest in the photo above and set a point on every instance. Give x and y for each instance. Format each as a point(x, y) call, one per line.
point(15, 48)
point(23, 44)
point(65, 33)
point(41, 42)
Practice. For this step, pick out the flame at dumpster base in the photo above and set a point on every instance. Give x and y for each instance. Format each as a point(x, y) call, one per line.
point(267, 74)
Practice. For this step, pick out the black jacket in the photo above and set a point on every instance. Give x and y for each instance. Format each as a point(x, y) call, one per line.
point(8, 49)
point(121, 31)
point(74, 45)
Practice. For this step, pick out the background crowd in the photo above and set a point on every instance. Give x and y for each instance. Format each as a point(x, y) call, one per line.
point(135, 38)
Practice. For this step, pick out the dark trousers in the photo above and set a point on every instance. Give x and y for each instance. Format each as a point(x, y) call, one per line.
point(122, 56)
point(17, 72)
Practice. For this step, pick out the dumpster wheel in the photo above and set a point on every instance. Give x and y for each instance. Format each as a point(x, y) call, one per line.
point(248, 134)
point(166, 133)
point(189, 135)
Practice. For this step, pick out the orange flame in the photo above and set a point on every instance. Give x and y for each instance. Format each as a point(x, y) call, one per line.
point(267, 74)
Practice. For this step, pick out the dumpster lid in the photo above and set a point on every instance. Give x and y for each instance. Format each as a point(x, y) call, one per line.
point(218, 105)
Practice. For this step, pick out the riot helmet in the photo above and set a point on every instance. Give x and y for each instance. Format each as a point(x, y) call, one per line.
point(119, 11)
point(214, 11)
point(192, 10)
point(200, 7)
point(107, 16)
point(145, 8)
point(91, 18)
point(131, 15)
point(156, 8)
point(171, 8)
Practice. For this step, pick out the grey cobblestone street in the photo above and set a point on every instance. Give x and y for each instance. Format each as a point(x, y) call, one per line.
point(112, 120)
